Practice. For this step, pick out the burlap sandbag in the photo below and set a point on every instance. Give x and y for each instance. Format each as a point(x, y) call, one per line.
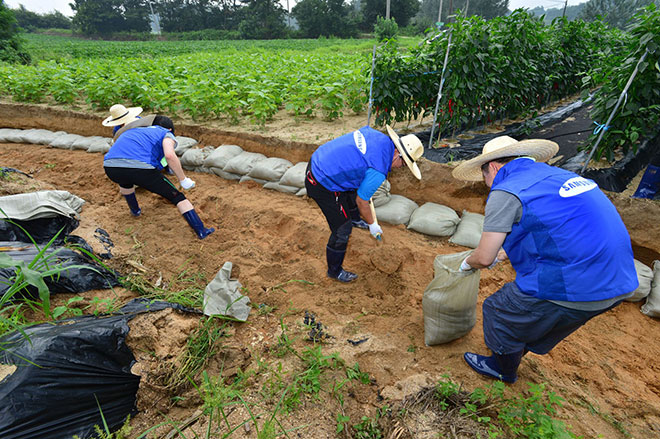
point(223, 296)
point(652, 306)
point(248, 178)
point(434, 219)
point(243, 163)
point(221, 155)
point(39, 136)
point(468, 232)
point(271, 169)
point(382, 194)
point(65, 141)
point(184, 144)
point(11, 135)
point(41, 204)
point(450, 300)
point(226, 175)
point(194, 157)
point(397, 210)
point(295, 176)
point(281, 187)
point(645, 278)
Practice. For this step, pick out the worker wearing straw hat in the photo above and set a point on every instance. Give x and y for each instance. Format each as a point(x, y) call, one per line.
point(342, 176)
point(566, 241)
point(136, 160)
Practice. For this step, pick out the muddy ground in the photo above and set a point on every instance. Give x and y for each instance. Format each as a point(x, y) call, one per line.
point(607, 371)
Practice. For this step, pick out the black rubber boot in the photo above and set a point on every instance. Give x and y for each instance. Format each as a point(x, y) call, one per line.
point(500, 367)
point(133, 204)
point(197, 225)
point(335, 258)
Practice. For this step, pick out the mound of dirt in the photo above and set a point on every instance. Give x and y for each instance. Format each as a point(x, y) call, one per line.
point(607, 371)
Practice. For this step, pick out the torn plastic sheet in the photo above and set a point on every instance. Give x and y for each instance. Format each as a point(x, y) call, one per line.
point(83, 273)
point(66, 371)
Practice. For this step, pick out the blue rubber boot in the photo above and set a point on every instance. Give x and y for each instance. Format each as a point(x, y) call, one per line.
point(133, 204)
point(335, 270)
point(500, 367)
point(197, 225)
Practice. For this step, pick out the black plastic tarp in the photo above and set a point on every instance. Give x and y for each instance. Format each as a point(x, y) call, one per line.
point(42, 230)
point(69, 374)
point(82, 274)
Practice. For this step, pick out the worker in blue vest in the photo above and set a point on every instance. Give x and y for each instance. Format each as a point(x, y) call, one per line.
point(342, 176)
point(565, 239)
point(136, 159)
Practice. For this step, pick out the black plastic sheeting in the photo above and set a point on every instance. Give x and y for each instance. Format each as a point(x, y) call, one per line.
point(470, 148)
point(42, 230)
point(82, 274)
point(64, 368)
point(617, 178)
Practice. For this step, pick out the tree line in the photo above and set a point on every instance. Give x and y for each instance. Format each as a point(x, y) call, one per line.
point(268, 19)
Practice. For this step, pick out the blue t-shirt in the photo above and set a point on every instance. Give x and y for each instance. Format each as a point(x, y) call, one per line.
point(372, 181)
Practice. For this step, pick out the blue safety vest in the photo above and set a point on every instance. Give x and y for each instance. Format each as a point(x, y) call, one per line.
point(143, 144)
point(340, 164)
point(570, 243)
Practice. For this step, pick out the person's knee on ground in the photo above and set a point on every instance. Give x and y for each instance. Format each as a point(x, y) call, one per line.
point(194, 221)
point(336, 251)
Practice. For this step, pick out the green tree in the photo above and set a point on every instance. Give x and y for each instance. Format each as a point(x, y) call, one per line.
point(616, 13)
point(262, 20)
point(428, 12)
point(11, 49)
point(30, 21)
point(325, 17)
point(402, 11)
point(191, 15)
point(105, 17)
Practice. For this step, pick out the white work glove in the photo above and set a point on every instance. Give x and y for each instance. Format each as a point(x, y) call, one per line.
point(375, 230)
point(494, 263)
point(187, 183)
point(465, 266)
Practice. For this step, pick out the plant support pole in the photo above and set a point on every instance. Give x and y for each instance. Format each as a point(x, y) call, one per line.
point(371, 85)
point(616, 107)
point(442, 81)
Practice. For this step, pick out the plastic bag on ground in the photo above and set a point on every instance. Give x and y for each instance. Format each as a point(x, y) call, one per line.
point(652, 306)
point(223, 296)
point(649, 186)
point(397, 210)
point(468, 232)
point(645, 277)
point(450, 300)
point(434, 219)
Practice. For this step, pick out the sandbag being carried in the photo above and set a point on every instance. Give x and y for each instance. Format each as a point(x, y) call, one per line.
point(645, 277)
point(434, 219)
point(468, 232)
point(397, 210)
point(450, 300)
point(295, 176)
point(652, 306)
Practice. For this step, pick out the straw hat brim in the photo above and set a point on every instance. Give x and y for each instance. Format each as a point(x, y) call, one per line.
point(397, 142)
point(539, 149)
point(130, 116)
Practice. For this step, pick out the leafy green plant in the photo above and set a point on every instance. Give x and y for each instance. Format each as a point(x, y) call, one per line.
point(385, 28)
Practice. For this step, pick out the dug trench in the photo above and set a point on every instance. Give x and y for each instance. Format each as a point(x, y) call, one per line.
point(607, 371)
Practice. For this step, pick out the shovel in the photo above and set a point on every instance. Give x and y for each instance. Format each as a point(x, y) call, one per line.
point(373, 213)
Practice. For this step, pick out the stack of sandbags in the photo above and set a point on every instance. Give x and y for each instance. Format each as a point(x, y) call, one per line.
point(292, 180)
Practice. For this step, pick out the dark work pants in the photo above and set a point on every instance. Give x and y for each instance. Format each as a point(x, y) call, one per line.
point(517, 322)
point(150, 179)
point(339, 208)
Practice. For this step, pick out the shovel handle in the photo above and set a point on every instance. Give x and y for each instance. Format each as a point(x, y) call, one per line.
point(373, 213)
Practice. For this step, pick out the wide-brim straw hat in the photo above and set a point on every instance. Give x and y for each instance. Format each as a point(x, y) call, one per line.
point(541, 150)
point(410, 148)
point(120, 115)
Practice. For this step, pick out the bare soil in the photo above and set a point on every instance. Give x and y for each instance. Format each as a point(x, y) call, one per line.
point(607, 371)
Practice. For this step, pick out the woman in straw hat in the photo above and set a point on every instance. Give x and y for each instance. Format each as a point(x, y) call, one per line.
point(342, 176)
point(136, 160)
point(566, 241)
